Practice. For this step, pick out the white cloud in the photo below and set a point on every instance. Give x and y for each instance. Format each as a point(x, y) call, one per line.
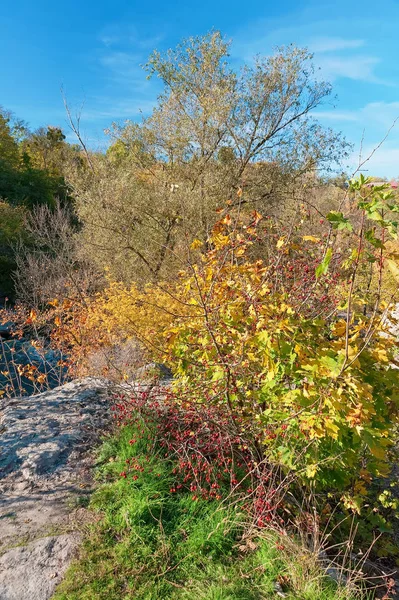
point(336, 115)
point(375, 115)
point(368, 127)
point(337, 56)
point(127, 34)
point(109, 40)
point(359, 68)
point(332, 44)
point(380, 113)
point(123, 63)
point(111, 109)
point(126, 92)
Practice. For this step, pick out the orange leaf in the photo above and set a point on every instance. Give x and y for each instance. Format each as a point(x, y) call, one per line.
point(256, 217)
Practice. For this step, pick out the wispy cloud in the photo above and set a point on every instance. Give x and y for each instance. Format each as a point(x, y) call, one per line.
point(368, 126)
point(336, 115)
point(123, 50)
point(126, 67)
point(126, 93)
point(338, 57)
point(380, 113)
point(127, 34)
point(358, 68)
point(112, 109)
point(109, 40)
point(333, 44)
point(376, 115)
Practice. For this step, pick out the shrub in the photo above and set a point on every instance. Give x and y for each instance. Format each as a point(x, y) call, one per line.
point(289, 350)
point(284, 362)
point(284, 346)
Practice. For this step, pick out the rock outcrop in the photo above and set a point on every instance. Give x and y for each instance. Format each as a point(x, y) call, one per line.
point(45, 470)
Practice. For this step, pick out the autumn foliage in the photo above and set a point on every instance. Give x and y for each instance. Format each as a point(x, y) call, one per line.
point(289, 346)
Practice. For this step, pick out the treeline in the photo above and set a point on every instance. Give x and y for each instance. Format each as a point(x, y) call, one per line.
point(32, 174)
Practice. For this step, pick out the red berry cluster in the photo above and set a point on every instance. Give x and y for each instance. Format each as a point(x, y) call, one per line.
point(211, 458)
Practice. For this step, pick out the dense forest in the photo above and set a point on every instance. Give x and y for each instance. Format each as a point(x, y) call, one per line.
point(219, 237)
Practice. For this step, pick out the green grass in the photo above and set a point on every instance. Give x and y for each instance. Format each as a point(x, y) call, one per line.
point(149, 544)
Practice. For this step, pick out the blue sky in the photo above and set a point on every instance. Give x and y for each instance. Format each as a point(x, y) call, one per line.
point(94, 49)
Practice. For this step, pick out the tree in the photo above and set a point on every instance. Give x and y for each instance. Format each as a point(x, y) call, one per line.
point(32, 165)
point(31, 174)
point(45, 149)
point(214, 136)
point(9, 154)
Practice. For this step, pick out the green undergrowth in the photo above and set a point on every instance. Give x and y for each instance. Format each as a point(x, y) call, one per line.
point(151, 544)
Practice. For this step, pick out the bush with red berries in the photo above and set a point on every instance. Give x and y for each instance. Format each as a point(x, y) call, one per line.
point(212, 459)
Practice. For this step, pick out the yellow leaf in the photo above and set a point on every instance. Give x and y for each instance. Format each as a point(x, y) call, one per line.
point(378, 451)
point(339, 328)
point(310, 238)
point(311, 471)
point(332, 429)
point(220, 240)
point(360, 488)
point(32, 316)
point(280, 243)
point(196, 244)
point(381, 355)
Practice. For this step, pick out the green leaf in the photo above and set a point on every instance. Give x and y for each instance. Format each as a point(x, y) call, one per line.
point(375, 215)
point(323, 266)
point(370, 237)
point(218, 373)
point(338, 221)
point(332, 364)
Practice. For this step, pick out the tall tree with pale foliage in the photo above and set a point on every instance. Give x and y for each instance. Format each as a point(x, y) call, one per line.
point(215, 135)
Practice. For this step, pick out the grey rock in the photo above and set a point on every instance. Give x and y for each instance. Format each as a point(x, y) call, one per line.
point(45, 467)
point(39, 432)
point(154, 371)
point(32, 572)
